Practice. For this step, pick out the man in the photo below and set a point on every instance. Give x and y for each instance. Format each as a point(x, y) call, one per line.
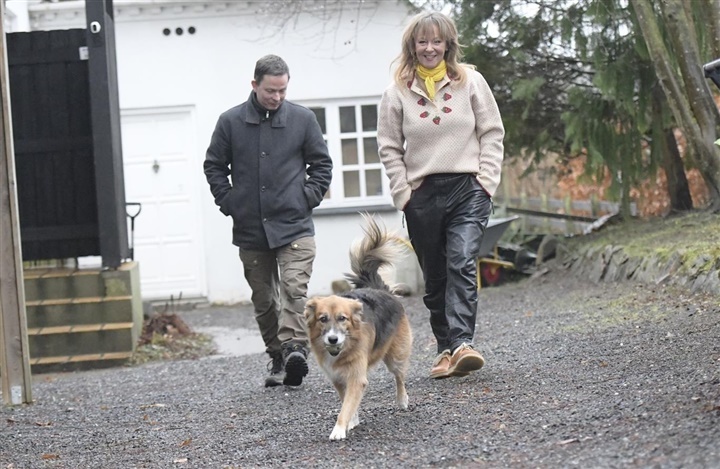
point(279, 168)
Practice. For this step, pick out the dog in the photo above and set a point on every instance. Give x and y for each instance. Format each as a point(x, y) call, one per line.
point(352, 331)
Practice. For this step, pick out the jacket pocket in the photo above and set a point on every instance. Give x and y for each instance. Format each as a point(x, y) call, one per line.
point(226, 203)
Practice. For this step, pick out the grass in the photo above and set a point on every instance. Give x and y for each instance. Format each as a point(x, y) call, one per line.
point(694, 236)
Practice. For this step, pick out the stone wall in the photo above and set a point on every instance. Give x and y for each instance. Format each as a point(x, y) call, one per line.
point(611, 263)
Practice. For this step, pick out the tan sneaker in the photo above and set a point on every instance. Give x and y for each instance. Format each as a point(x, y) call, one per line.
point(464, 360)
point(441, 365)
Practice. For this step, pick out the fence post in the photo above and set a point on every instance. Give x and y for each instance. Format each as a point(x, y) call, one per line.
point(14, 347)
point(594, 206)
point(544, 207)
point(524, 204)
point(569, 224)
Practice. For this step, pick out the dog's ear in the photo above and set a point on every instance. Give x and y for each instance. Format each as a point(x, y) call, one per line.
point(356, 308)
point(310, 308)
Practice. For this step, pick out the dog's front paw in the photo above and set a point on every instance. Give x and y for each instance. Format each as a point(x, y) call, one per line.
point(403, 401)
point(354, 421)
point(338, 433)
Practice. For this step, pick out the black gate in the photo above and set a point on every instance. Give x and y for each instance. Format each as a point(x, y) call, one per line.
point(52, 129)
point(66, 128)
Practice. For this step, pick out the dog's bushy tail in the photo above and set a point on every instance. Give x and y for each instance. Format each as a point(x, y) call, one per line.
point(376, 249)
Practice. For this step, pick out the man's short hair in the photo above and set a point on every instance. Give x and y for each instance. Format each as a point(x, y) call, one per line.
point(270, 65)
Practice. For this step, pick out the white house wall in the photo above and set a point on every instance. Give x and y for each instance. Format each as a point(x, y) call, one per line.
point(346, 54)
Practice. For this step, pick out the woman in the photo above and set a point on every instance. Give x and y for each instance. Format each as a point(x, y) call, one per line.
point(440, 138)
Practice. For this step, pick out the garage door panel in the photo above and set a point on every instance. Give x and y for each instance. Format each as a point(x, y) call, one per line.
point(159, 163)
point(173, 212)
point(176, 268)
point(148, 224)
point(140, 180)
point(173, 181)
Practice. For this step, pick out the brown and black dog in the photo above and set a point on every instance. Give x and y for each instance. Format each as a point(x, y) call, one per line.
point(352, 331)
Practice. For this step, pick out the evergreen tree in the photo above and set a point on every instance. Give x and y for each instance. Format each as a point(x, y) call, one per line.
point(576, 77)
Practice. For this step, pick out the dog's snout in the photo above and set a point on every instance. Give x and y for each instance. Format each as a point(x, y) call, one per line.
point(332, 340)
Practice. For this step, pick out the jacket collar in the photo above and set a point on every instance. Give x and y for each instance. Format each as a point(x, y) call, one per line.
point(252, 115)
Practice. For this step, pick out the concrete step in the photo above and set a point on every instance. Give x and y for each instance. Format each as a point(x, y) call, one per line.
point(78, 311)
point(82, 318)
point(58, 283)
point(46, 284)
point(81, 340)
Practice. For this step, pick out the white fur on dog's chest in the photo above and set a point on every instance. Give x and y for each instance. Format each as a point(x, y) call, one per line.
point(328, 366)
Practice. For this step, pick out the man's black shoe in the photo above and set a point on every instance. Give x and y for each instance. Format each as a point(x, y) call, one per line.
point(296, 367)
point(277, 371)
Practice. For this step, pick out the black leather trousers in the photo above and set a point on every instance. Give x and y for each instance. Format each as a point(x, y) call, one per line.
point(446, 218)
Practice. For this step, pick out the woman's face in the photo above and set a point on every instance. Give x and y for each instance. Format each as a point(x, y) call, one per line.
point(430, 48)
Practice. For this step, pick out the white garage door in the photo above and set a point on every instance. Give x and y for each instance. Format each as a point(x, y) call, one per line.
point(161, 173)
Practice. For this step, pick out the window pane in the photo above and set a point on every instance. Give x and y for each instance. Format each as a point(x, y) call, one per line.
point(349, 151)
point(352, 183)
point(328, 195)
point(347, 119)
point(320, 114)
point(373, 182)
point(371, 150)
point(369, 117)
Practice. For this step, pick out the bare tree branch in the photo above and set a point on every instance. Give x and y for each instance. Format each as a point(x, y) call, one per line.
point(330, 18)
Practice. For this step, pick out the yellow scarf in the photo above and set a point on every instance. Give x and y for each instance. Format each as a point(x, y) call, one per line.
point(431, 75)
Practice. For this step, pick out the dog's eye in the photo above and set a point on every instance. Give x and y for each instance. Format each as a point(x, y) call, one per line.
point(341, 318)
point(323, 318)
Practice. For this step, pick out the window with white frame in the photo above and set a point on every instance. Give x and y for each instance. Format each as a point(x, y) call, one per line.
point(350, 130)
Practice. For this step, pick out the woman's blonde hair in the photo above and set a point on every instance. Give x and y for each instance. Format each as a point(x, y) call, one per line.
point(423, 23)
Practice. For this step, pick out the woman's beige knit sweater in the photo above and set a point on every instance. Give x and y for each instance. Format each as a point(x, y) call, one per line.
point(460, 131)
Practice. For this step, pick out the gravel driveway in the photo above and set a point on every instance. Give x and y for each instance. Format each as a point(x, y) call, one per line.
point(577, 375)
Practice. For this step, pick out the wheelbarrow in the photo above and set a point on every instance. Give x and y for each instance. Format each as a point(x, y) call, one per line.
point(487, 267)
point(489, 263)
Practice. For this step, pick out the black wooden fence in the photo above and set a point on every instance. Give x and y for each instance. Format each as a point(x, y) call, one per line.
point(52, 128)
point(66, 128)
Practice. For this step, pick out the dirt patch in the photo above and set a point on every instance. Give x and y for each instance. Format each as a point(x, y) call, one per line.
point(166, 336)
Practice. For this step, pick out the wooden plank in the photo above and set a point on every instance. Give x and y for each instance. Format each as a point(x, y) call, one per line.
point(14, 345)
point(81, 358)
point(70, 301)
point(545, 214)
point(108, 326)
point(70, 232)
point(62, 56)
point(105, 299)
point(61, 144)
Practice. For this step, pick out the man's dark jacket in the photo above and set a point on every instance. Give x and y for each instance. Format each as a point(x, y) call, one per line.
point(270, 199)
